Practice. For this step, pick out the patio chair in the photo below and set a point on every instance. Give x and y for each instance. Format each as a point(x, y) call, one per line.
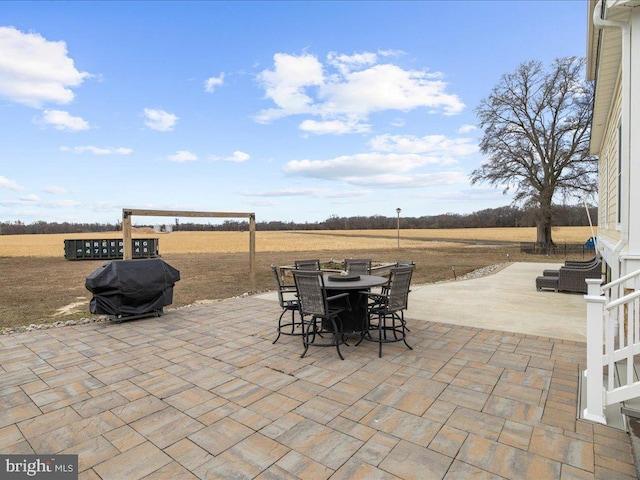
point(572, 279)
point(288, 298)
point(358, 266)
point(388, 308)
point(307, 264)
point(401, 263)
point(324, 315)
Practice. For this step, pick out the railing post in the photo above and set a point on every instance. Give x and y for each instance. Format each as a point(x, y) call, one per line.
point(595, 340)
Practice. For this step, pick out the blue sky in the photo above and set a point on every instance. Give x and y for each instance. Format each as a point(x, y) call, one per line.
point(296, 111)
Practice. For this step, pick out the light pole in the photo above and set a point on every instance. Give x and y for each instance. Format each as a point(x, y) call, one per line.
point(398, 210)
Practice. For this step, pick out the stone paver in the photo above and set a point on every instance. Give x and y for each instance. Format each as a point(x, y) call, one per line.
point(202, 392)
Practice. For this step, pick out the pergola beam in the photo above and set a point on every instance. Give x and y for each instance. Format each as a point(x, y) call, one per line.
point(184, 213)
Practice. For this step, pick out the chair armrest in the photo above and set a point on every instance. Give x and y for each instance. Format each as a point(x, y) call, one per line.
point(376, 299)
point(335, 297)
point(338, 297)
point(374, 294)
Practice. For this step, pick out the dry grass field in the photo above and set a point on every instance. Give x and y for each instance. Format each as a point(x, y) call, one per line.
point(289, 241)
point(38, 285)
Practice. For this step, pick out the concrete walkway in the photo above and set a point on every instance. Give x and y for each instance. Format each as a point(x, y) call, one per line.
point(506, 300)
point(202, 392)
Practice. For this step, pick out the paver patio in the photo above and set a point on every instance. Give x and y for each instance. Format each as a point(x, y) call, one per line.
point(202, 392)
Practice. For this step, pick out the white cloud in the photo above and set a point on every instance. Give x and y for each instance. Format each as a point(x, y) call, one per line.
point(9, 184)
point(64, 203)
point(389, 87)
point(335, 127)
point(238, 157)
point(35, 70)
point(264, 202)
point(211, 83)
point(182, 156)
point(286, 85)
point(157, 119)
point(54, 190)
point(391, 53)
point(346, 63)
point(61, 120)
point(32, 200)
point(430, 144)
point(397, 161)
point(410, 181)
point(97, 150)
point(307, 192)
point(348, 88)
point(286, 192)
point(362, 164)
point(467, 128)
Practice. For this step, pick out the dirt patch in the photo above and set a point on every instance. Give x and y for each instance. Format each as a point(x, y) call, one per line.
point(41, 290)
point(71, 308)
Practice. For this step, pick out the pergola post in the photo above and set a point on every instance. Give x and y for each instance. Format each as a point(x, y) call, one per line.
point(252, 251)
point(127, 251)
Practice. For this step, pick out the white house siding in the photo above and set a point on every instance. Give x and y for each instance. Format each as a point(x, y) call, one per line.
point(608, 172)
point(608, 226)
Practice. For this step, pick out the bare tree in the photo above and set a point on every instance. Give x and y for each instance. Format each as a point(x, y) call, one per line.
point(536, 137)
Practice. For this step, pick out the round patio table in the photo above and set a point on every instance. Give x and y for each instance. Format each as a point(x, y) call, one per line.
point(353, 320)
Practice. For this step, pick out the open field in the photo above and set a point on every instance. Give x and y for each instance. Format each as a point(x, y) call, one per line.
point(38, 285)
point(291, 241)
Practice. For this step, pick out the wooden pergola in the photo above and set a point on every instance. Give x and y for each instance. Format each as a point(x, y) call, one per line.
point(127, 213)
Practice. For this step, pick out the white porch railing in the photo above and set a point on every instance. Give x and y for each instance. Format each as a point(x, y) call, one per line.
point(613, 337)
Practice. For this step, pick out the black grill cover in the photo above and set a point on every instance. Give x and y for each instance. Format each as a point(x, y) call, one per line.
point(131, 287)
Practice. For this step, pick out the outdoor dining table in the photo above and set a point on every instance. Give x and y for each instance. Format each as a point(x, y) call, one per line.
point(354, 319)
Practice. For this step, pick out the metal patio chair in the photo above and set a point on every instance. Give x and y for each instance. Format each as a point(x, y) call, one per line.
point(358, 266)
point(388, 308)
point(322, 314)
point(288, 298)
point(307, 264)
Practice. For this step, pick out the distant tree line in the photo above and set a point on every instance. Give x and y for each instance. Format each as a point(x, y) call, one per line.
point(509, 216)
point(40, 227)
